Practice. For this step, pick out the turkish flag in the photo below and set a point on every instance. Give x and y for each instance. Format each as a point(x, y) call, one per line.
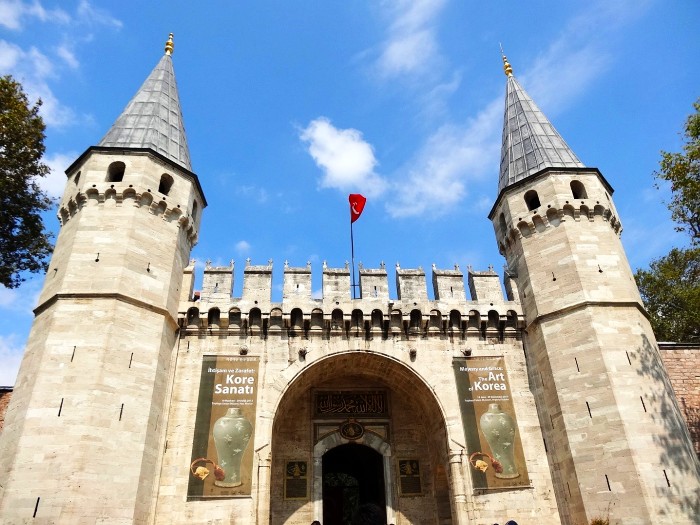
point(357, 204)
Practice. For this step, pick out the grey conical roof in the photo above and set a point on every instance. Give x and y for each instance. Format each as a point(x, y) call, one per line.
point(153, 119)
point(530, 142)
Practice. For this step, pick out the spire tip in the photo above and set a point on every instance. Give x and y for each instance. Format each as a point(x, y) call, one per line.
point(506, 65)
point(169, 45)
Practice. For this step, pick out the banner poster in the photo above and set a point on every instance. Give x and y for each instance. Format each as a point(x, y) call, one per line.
point(496, 456)
point(222, 449)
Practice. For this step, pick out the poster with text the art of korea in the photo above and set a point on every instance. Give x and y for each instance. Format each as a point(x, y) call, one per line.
point(496, 458)
point(222, 448)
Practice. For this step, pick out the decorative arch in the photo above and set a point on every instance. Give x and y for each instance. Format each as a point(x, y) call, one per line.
point(395, 322)
point(553, 217)
point(416, 322)
point(193, 317)
point(385, 372)
point(166, 183)
point(334, 440)
point(337, 320)
point(455, 321)
point(435, 322)
point(377, 322)
point(296, 321)
point(255, 321)
point(316, 323)
point(502, 224)
point(275, 320)
point(532, 200)
point(578, 190)
point(214, 317)
point(357, 322)
point(115, 171)
point(234, 319)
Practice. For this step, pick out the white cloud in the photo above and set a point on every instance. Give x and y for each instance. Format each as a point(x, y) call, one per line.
point(68, 56)
point(411, 45)
point(582, 52)
point(13, 11)
point(453, 156)
point(95, 16)
point(438, 175)
point(10, 13)
point(346, 158)
point(253, 192)
point(11, 351)
point(242, 247)
point(55, 182)
point(32, 68)
point(407, 53)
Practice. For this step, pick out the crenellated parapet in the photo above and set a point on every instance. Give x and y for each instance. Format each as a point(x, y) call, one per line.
point(144, 199)
point(549, 199)
point(334, 313)
point(554, 217)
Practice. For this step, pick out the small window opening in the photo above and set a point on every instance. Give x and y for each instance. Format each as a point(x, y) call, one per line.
point(578, 190)
point(76, 179)
point(502, 223)
point(166, 182)
point(195, 209)
point(532, 200)
point(115, 172)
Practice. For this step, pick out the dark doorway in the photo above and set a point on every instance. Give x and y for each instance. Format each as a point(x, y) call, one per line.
point(353, 477)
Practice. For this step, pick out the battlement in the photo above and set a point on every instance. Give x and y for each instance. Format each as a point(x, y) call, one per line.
point(111, 196)
point(549, 199)
point(335, 312)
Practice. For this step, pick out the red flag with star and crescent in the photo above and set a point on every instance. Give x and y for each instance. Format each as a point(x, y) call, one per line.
point(357, 204)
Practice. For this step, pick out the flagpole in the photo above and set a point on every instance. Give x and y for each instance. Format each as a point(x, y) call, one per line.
point(352, 252)
point(357, 204)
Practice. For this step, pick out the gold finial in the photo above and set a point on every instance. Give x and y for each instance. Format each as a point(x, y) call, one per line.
point(506, 65)
point(169, 45)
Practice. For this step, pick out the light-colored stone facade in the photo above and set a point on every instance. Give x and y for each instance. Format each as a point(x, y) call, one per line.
point(112, 402)
point(341, 344)
point(80, 440)
point(617, 440)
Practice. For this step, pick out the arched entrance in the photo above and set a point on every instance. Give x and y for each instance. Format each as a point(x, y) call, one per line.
point(311, 436)
point(353, 479)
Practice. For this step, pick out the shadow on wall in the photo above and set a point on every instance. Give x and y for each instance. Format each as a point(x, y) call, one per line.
point(692, 416)
point(677, 449)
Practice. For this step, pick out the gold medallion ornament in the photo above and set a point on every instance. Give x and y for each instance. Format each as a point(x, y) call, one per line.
point(351, 430)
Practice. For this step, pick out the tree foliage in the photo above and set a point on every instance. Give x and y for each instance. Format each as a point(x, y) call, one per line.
point(682, 170)
point(24, 243)
point(671, 293)
point(671, 287)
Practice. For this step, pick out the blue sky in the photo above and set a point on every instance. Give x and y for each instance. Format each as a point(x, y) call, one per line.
point(290, 106)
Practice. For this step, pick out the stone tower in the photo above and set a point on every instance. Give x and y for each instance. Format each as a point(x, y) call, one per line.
point(614, 435)
point(83, 431)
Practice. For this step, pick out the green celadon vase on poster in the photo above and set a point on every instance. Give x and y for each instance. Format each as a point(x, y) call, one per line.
point(231, 436)
point(499, 430)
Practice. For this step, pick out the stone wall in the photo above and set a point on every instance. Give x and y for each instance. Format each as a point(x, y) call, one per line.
point(5, 396)
point(682, 362)
point(405, 347)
